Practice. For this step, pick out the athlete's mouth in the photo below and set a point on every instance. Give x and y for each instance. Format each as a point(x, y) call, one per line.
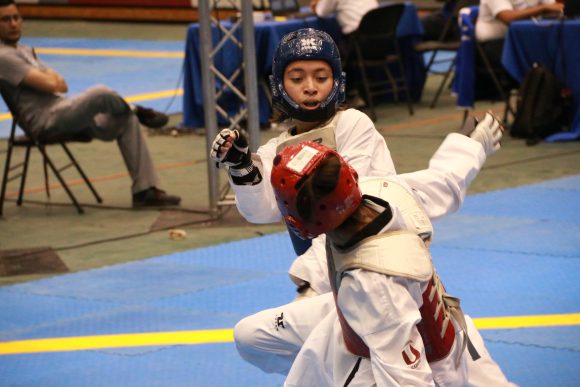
point(311, 104)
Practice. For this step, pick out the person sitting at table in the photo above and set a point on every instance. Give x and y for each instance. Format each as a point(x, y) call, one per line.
point(348, 13)
point(492, 25)
point(36, 94)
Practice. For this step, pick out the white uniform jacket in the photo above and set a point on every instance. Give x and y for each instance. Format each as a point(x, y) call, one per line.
point(307, 344)
point(440, 189)
point(357, 141)
point(384, 310)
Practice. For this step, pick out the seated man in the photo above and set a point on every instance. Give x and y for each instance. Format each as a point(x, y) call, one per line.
point(492, 25)
point(348, 13)
point(35, 94)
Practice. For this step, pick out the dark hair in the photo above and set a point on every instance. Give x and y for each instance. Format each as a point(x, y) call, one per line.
point(322, 182)
point(5, 3)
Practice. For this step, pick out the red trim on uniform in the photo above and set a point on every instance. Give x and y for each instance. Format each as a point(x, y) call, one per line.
point(352, 341)
point(430, 326)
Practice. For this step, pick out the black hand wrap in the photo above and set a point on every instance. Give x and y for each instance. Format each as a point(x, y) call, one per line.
point(246, 173)
point(238, 158)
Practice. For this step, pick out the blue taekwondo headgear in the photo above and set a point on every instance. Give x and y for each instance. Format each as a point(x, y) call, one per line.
point(305, 44)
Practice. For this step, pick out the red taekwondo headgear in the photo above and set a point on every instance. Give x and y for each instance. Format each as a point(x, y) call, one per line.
point(309, 207)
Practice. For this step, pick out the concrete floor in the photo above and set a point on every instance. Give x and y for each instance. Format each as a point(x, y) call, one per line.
point(112, 233)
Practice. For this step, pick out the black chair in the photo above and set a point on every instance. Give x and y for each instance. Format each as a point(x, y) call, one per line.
point(448, 42)
point(499, 77)
point(19, 170)
point(374, 45)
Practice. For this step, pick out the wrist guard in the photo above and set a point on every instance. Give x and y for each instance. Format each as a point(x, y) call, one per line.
point(245, 174)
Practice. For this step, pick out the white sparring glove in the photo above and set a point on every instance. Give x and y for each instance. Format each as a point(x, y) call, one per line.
point(230, 149)
point(488, 132)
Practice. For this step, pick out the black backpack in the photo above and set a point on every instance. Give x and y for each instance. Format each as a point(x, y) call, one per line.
point(543, 106)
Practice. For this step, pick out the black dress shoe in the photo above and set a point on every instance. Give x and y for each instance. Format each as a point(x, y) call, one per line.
point(151, 118)
point(154, 197)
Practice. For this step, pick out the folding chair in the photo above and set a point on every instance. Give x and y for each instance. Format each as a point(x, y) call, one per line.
point(445, 43)
point(466, 69)
point(375, 45)
point(19, 170)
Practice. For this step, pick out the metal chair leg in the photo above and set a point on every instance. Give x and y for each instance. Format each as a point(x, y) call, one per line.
point(24, 172)
point(366, 86)
point(7, 166)
point(61, 180)
point(82, 173)
point(443, 83)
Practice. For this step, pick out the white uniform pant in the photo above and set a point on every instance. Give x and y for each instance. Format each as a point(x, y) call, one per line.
point(303, 340)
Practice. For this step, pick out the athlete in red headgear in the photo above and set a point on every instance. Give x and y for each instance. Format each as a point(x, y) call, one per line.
point(393, 323)
point(392, 309)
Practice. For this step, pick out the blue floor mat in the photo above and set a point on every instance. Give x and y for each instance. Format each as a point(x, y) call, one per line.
point(500, 260)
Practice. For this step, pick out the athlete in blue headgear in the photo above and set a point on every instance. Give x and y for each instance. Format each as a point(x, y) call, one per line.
point(300, 48)
point(307, 85)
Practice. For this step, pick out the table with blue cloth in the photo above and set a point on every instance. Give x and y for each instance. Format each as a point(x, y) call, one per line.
point(555, 44)
point(268, 34)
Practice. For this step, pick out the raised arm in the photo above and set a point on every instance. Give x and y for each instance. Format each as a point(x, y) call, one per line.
point(442, 187)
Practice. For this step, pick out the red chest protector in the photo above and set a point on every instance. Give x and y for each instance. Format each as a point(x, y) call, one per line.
point(435, 327)
point(401, 253)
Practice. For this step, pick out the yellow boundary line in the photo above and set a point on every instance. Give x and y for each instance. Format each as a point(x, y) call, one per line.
point(154, 95)
point(226, 336)
point(547, 320)
point(115, 341)
point(131, 98)
point(101, 52)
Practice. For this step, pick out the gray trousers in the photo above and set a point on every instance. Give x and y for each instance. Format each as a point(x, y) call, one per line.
point(103, 114)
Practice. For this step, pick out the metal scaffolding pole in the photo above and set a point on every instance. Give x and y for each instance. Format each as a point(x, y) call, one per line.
point(248, 113)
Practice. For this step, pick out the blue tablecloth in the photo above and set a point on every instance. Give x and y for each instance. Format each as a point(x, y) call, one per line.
point(555, 44)
point(268, 34)
point(464, 80)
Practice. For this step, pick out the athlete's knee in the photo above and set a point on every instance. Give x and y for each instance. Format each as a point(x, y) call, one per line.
point(256, 346)
point(245, 333)
point(109, 100)
point(101, 90)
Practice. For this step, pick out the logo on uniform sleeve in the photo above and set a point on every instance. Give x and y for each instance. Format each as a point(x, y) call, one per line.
point(411, 355)
point(279, 321)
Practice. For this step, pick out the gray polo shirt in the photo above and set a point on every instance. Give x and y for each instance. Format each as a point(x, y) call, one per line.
point(32, 106)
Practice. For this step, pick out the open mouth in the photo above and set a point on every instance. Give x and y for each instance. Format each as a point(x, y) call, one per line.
point(311, 104)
